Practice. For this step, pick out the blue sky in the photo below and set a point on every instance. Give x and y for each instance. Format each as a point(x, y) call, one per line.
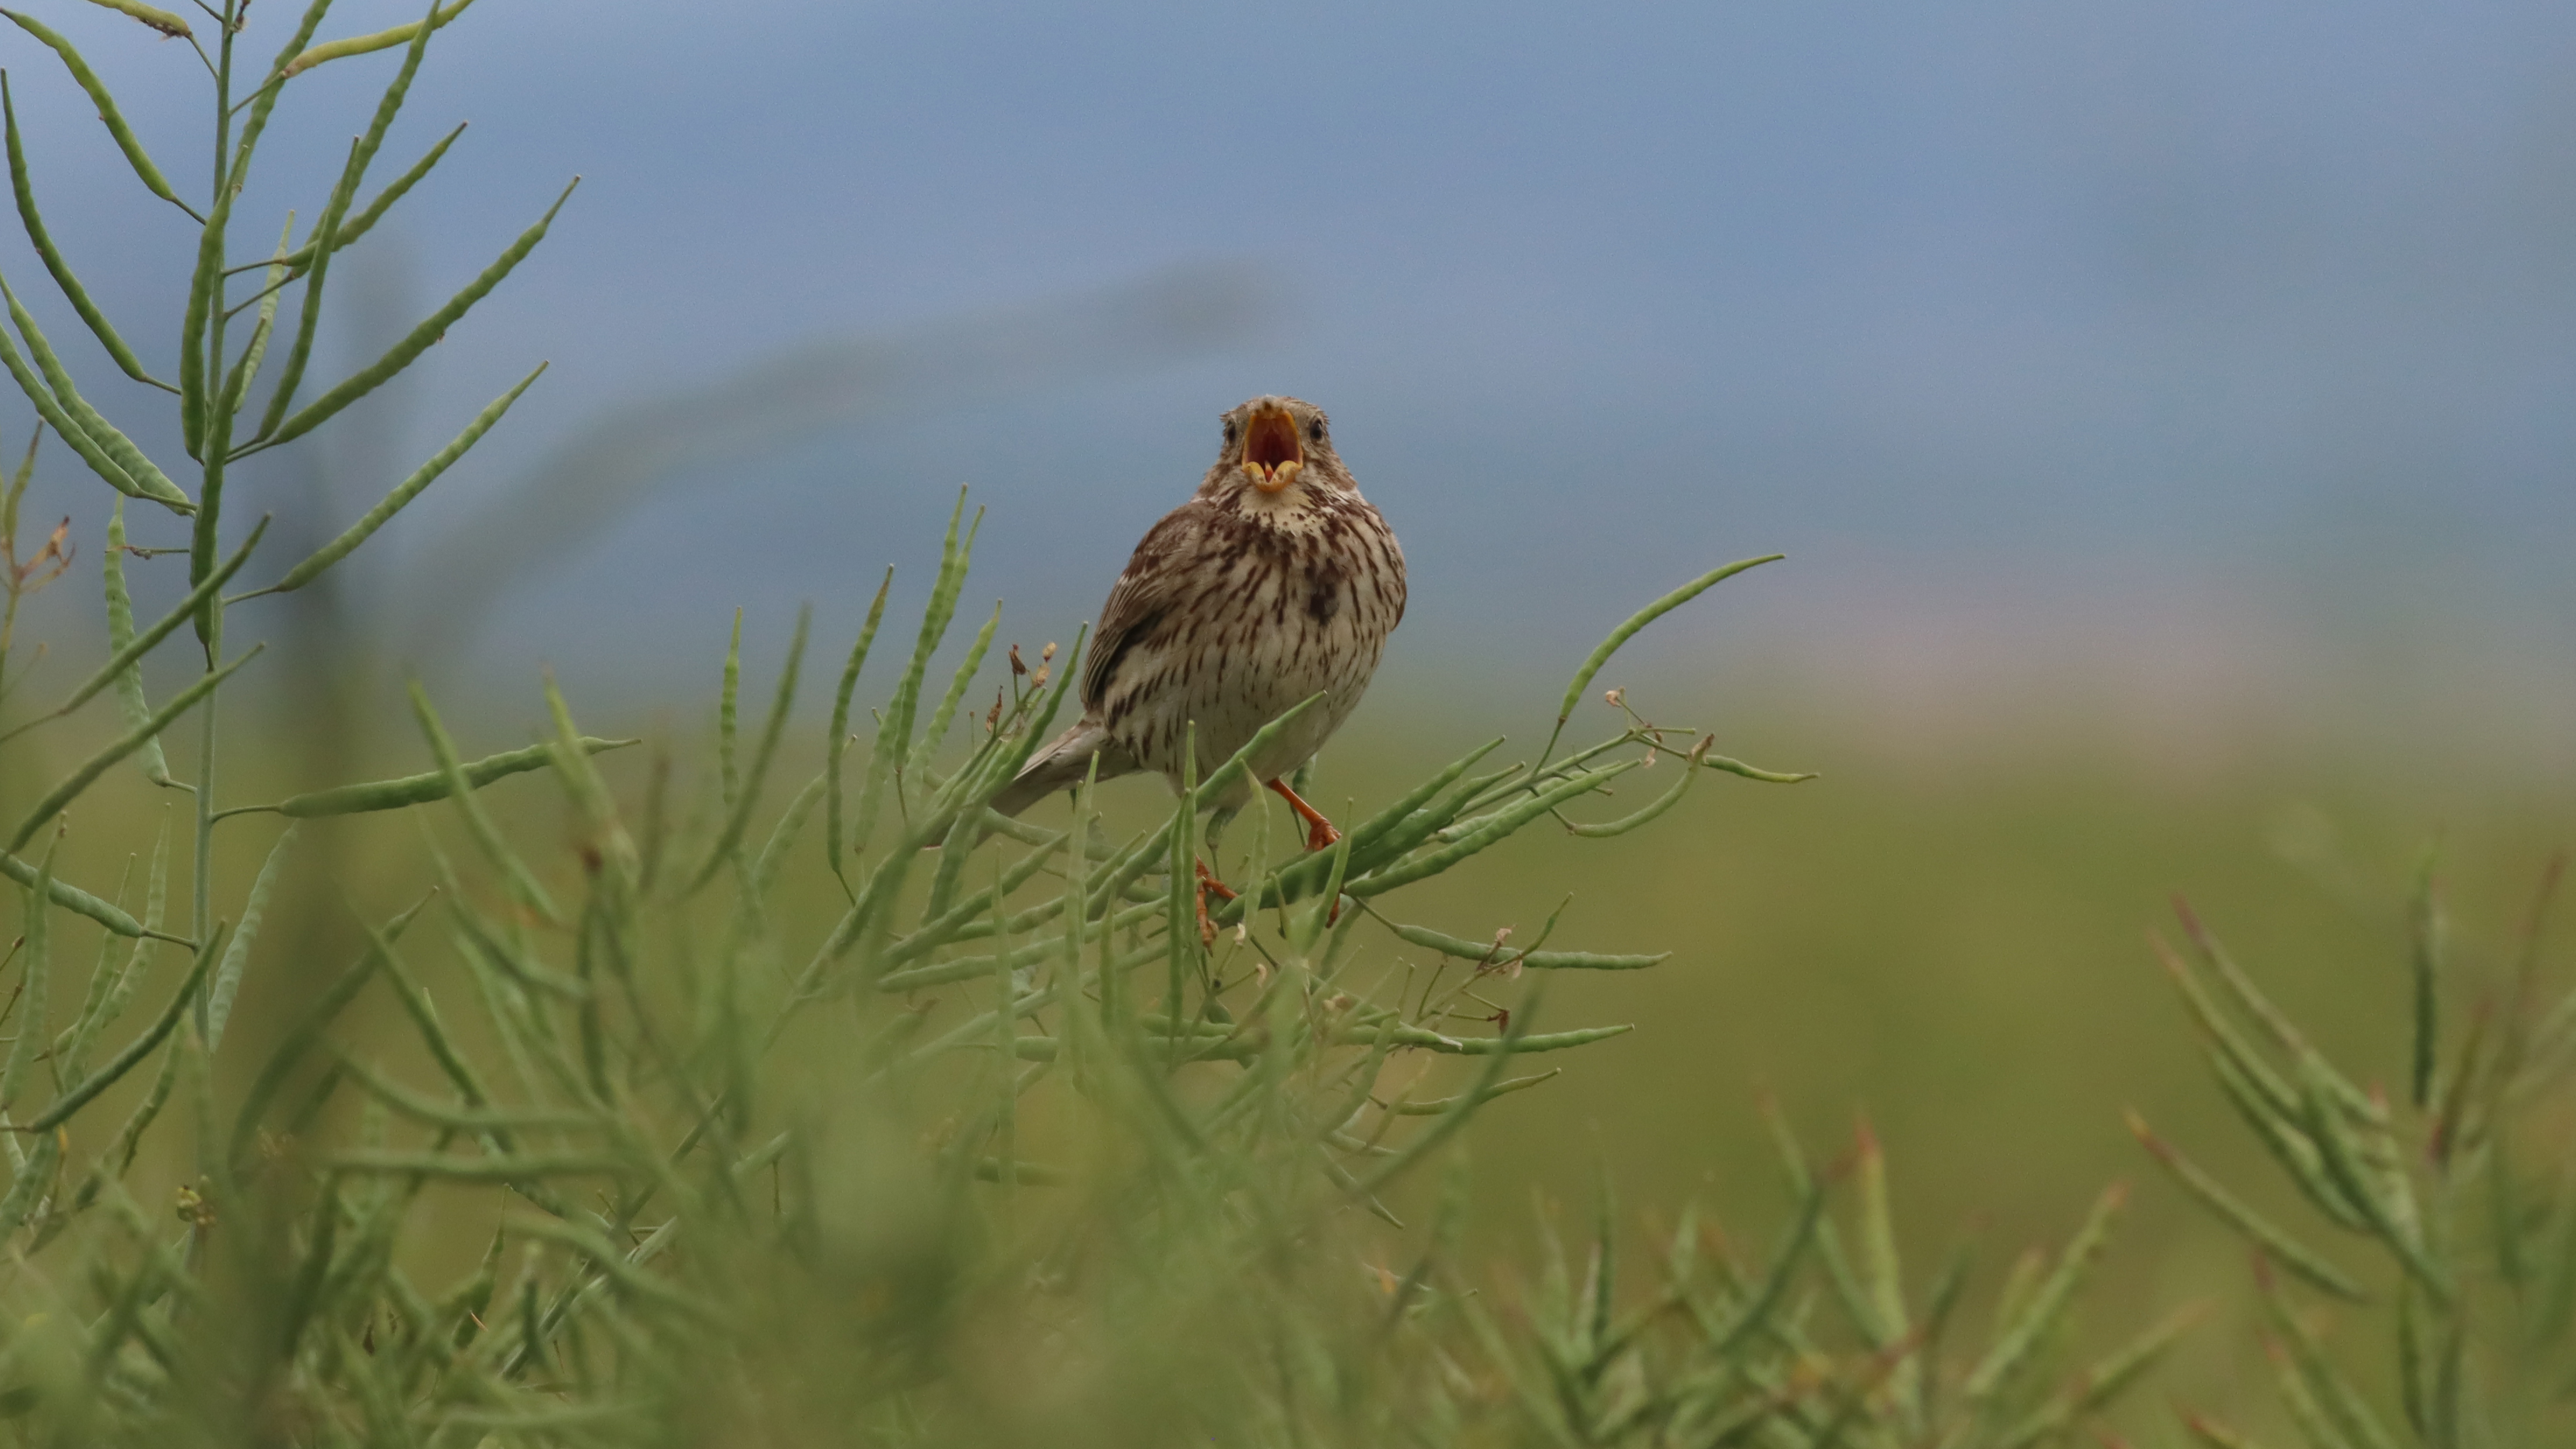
point(2274, 297)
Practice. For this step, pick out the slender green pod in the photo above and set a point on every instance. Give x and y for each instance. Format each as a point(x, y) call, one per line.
point(964, 833)
point(245, 369)
point(1239, 764)
point(2342, 1405)
point(1494, 954)
point(942, 929)
point(358, 226)
point(2345, 1167)
point(65, 1054)
point(1769, 777)
point(1304, 933)
point(264, 99)
point(110, 1005)
point(1515, 1038)
point(617, 1264)
point(403, 493)
point(418, 341)
point(96, 765)
point(2424, 917)
point(2224, 1037)
point(74, 436)
point(1437, 1105)
point(151, 15)
point(1478, 1046)
point(72, 290)
point(946, 714)
point(34, 1176)
point(35, 983)
point(123, 134)
point(308, 314)
point(478, 935)
point(570, 752)
point(836, 744)
point(111, 440)
point(460, 1073)
point(136, 1050)
point(2286, 1138)
point(1487, 791)
point(412, 34)
point(2299, 1397)
point(1122, 869)
point(72, 898)
point(738, 819)
point(894, 729)
point(306, 1286)
point(326, 229)
point(977, 1031)
point(1291, 881)
point(1181, 882)
point(2301, 1260)
point(2415, 1391)
point(228, 974)
point(421, 789)
point(486, 836)
point(1601, 652)
point(120, 635)
point(1485, 833)
point(2506, 1228)
point(205, 297)
point(130, 1136)
point(2348, 1097)
point(2049, 1300)
point(968, 968)
point(1081, 1019)
point(1651, 811)
point(1754, 1315)
point(771, 858)
point(2553, 1269)
point(1882, 1278)
point(729, 717)
point(125, 658)
point(2098, 1383)
point(119, 1323)
point(523, 1167)
point(1441, 820)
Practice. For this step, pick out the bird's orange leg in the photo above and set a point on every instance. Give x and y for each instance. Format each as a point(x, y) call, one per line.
point(1320, 834)
point(1209, 885)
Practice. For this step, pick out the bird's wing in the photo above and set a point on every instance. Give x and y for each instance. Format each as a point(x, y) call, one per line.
point(1143, 593)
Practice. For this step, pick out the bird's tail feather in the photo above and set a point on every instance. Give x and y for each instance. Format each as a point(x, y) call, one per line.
point(1061, 764)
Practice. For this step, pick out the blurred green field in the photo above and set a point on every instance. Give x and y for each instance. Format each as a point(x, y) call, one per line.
point(1951, 942)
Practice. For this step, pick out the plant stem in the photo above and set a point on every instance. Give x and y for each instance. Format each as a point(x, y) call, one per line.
point(201, 559)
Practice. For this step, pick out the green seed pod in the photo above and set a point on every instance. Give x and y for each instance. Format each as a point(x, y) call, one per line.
point(420, 789)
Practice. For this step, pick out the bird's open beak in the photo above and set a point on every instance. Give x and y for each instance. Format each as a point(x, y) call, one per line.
point(1271, 453)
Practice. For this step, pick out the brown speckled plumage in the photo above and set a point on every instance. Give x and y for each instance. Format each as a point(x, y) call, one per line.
point(1275, 581)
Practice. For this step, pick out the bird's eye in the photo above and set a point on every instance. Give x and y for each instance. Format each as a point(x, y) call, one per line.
point(1229, 432)
point(1315, 431)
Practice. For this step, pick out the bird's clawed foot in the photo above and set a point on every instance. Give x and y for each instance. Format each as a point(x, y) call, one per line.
point(1209, 885)
point(1320, 834)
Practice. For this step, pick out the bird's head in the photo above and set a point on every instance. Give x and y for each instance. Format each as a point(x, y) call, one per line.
point(1277, 450)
